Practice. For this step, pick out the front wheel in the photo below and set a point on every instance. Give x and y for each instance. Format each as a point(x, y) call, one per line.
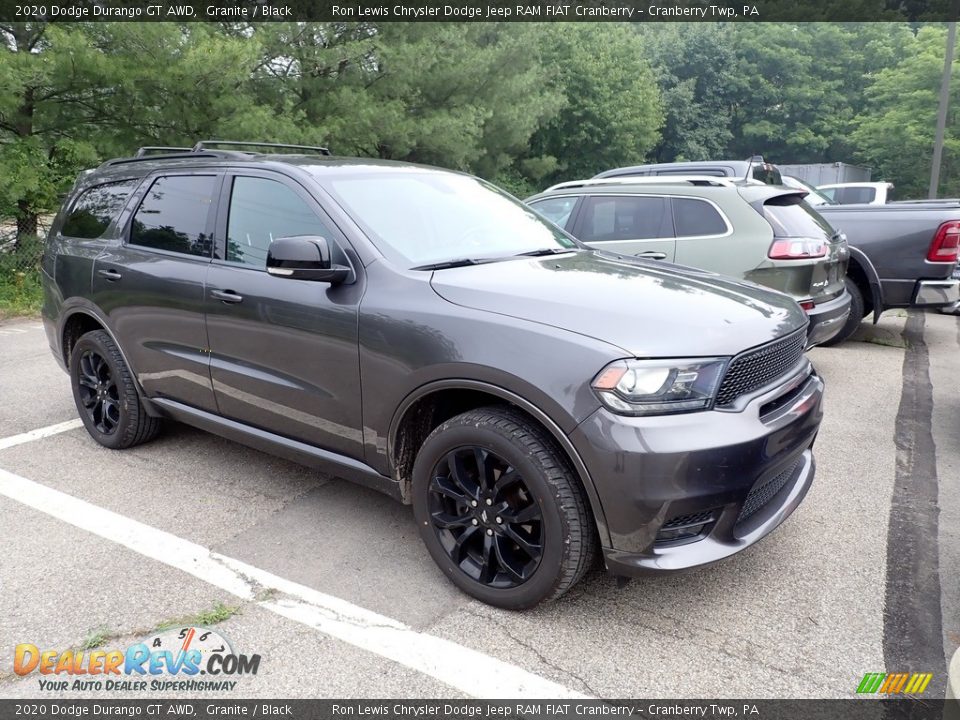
point(106, 396)
point(500, 509)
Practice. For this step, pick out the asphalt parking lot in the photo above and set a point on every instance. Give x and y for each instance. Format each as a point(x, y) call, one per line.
point(330, 584)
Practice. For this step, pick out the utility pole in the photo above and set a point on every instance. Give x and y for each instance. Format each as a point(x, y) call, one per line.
point(944, 103)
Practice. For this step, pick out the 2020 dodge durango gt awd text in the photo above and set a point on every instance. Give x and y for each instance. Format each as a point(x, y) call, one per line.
point(416, 330)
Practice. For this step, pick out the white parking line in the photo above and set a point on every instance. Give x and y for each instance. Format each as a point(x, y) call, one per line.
point(434, 656)
point(26, 437)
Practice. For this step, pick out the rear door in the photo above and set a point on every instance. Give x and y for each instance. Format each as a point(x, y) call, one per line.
point(284, 353)
point(639, 225)
point(151, 285)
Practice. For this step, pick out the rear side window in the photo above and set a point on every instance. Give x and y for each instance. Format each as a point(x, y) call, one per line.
point(557, 210)
point(694, 218)
point(96, 208)
point(851, 195)
point(262, 210)
point(767, 174)
point(791, 217)
point(174, 215)
point(626, 218)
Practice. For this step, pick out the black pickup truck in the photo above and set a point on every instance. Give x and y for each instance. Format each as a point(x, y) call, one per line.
point(901, 255)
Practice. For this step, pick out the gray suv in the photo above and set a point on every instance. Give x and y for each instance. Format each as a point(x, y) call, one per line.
point(756, 232)
point(539, 403)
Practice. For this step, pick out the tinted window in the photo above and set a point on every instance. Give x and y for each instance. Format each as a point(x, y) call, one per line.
point(262, 210)
point(790, 218)
point(556, 209)
point(697, 217)
point(767, 174)
point(626, 218)
point(850, 195)
point(173, 215)
point(96, 208)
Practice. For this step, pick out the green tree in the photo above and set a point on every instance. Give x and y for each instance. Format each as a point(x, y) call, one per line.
point(612, 113)
point(895, 131)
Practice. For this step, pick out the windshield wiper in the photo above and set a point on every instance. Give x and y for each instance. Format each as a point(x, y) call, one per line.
point(459, 262)
point(546, 251)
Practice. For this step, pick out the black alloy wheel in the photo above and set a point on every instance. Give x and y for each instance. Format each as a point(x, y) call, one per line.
point(485, 517)
point(106, 395)
point(501, 510)
point(98, 392)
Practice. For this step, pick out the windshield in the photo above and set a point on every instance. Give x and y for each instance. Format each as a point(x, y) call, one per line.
point(816, 197)
point(423, 217)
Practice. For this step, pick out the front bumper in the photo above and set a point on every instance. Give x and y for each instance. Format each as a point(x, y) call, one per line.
point(747, 469)
point(827, 319)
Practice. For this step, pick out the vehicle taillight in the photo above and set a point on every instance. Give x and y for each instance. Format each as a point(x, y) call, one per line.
point(796, 249)
point(945, 243)
point(808, 305)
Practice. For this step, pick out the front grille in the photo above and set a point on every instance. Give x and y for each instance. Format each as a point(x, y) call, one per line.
point(764, 492)
point(759, 367)
point(687, 520)
point(685, 528)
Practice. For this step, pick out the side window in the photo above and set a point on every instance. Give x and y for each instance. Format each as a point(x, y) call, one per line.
point(626, 218)
point(851, 195)
point(694, 218)
point(173, 215)
point(557, 210)
point(262, 210)
point(712, 172)
point(96, 208)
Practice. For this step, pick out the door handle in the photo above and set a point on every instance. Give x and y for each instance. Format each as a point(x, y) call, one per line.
point(111, 274)
point(652, 255)
point(227, 296)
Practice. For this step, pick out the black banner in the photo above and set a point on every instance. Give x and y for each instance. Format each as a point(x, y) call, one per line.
point(478, 10)
point(872, 709)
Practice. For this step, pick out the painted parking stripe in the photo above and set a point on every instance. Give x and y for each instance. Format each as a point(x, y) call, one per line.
point(39, 434)
point(434, 656)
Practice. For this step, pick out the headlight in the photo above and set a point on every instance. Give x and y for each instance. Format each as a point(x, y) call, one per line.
point(656, 387)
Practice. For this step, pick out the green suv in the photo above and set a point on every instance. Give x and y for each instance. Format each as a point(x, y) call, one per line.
point(761, 233)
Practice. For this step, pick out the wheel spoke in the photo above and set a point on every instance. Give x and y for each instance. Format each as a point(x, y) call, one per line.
point(507, 479)
point(459, 548)
point(448, 521)
point(504, 563)
point(487, 571)
point(523, 516)
point(445, 487)
point(89, 400)
point(460, 475)
point(531, 549)
point(483, 459)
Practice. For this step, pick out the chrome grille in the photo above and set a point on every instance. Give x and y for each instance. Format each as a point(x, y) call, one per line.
point(759, 367)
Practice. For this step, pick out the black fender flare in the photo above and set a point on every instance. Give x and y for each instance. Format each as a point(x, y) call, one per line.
point(545, 420)
point(876, 289)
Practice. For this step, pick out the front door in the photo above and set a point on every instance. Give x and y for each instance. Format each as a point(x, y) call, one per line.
point(284, 355)
point(639, 225)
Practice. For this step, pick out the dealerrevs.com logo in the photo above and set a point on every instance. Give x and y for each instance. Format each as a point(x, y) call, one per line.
point(168, 661)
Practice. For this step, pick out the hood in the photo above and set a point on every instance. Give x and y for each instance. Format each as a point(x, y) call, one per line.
point(648, 309)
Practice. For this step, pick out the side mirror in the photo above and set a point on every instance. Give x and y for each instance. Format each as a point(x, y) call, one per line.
point(304, 257)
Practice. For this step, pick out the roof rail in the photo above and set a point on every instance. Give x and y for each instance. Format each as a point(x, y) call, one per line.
point(204, 145)
point(148, 149)
point(710, 180)
point(189, 155)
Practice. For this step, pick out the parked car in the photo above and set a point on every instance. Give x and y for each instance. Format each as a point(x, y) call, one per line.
point(420, 332)
point(755, 168)
point(754, 232)
point(901, 254)
point(867, 193)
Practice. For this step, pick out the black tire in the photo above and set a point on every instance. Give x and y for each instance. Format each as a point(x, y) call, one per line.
point(543, 482)
point(853, 320)
point(106, 396)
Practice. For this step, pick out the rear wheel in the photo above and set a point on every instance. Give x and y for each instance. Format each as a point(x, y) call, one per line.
point(500, 510)
point(853, 319)
point(106, 396)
